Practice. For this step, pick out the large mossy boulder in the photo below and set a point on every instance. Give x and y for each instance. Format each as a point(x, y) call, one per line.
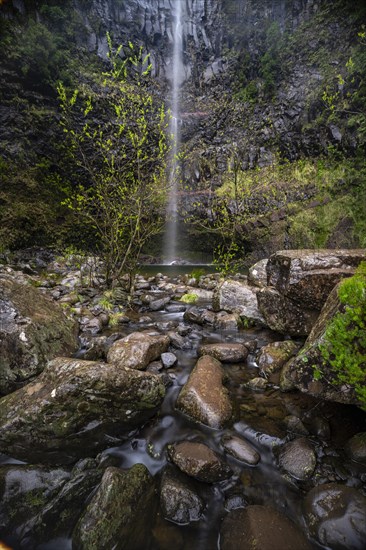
point(204, 398)
point(74, 409)
point(120, 514)
point(33, 330)
point(310, 372)
point(299, 283)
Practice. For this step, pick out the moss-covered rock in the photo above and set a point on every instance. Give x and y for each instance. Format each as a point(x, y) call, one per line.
point(75, 408)
point(33, 330)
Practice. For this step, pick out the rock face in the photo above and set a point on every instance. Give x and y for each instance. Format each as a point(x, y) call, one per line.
point(199, 461)
point(238, 297)
point(138, 349)
point(203, 397)
point(260, 527)
point(120, 513)
point(300, 373)
point(75, 408)
point(225, 352)
point(33, 330)
point(299, 283)
point(335, 516)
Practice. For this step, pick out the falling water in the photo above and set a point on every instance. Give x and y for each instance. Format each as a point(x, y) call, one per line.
point(177, 77)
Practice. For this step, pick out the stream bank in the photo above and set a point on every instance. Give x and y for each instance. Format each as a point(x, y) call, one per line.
point(233, 451)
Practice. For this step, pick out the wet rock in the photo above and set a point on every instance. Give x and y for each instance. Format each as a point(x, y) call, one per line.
point(75, 408)
point(258, 383)
point(208, 317)
point(226, 353)
point(120, 514)
point(298, 459)
point(307, 276)
point(295, 425)
point(283, 315)
point(257, 275)
point(260, 527)
point(238, 297)
point(176, 340)
point(199, 461)
point(193, 315)
point(138, 349)
point(299, 372)
point(179, 499)
point(273, 356)
point(203, 397)
point(335, 516)
point(235, 500)
point(33, 329)
point(94, 348)
point(356, 447)
point(168, 359)
point(175, 308)
point(240, 449)
point(227, 321)
point(157, 305)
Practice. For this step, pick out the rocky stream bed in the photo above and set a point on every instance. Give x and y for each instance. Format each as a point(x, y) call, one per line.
point(164, 425)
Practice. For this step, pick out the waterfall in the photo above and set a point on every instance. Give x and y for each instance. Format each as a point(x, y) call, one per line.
point(176, 76)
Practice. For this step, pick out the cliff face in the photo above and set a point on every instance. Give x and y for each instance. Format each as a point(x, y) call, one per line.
point(258, 78)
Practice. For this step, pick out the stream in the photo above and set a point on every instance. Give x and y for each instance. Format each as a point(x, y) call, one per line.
point(261, 418)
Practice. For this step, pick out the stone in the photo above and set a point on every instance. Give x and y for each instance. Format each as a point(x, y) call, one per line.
point(193, 315)
point(176, 340)
point(159, 304)
point(307, 276)
point(197, 460)
point(238, 297)
point(335, 516)
point(283, 315)
point(138, 349)
point(273, 356)
point(257, 384)
point(179, 499)
point(356, 447)
point(33, 330)
point(298, 459)
point(227, 321)
point(76, 408)
point(203, 397)
point(225, 352)
point(260, 527)
point(299, 372)
point(168, 359)
point(121, 512)
point(240, 449)
point(257, 275)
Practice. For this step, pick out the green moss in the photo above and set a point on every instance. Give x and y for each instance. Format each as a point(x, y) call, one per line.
point(344, 346)
point(189, 298)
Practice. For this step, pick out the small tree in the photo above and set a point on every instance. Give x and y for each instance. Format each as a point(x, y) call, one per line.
point(117, 137)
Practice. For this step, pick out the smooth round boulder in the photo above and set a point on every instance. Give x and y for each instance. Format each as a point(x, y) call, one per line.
point(356, 447)
point(76, 408)
point(298, 459)
point(260, 528)
point(199, 461)
point(240, 449)
point(204, 398)
point(225, 352)
point(335, 515)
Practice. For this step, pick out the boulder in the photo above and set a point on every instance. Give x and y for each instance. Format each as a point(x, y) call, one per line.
point(138, 349)
point(260, 527)
point(238, 297)
point(257, 275)
point(300, 372)
point(307, 276)
point(298, 459)
point(204, 398)
point(225, 352)
point(240, 449)
point(199, 461)
point(356, 447)
point(273, 356)
point(33, 330)
point(74, 409)
point(168, 360)
point(227, 321)
point(283, 315)
point(335, 516)
point(179, 499)
point(121, 512)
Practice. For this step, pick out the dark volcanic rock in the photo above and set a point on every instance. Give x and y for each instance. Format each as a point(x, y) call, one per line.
point(75, 408)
